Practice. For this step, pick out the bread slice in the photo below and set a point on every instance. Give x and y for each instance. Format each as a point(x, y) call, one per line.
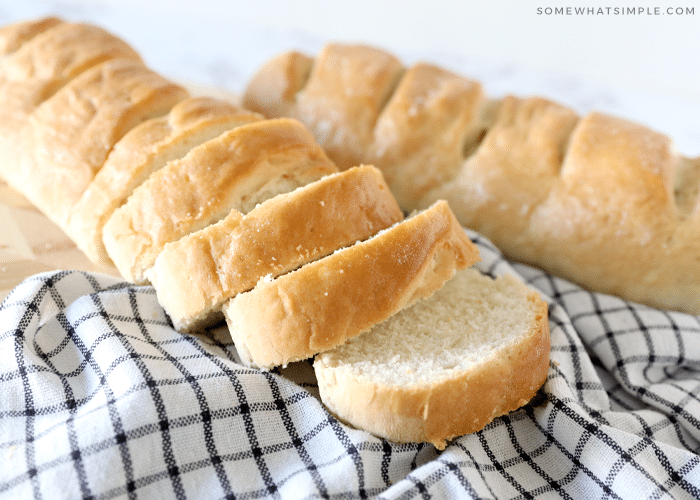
point(144, 150)
point(237, 170)
point(194, 276)
point(325, 303)
point(476, 349)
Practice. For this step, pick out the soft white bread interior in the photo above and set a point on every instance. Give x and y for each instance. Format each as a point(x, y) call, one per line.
point(325, 303)
point(195, 275)
point(143, 150)
point(601, 201)
point(234, 171)
point(476, 349)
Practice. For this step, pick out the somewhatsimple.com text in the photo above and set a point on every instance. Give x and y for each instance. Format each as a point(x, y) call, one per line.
point(615, 11)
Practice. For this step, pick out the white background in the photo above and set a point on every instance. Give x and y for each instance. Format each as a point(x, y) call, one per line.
point(643, 67)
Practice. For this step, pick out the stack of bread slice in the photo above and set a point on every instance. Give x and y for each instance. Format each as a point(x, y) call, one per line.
point(233, 216)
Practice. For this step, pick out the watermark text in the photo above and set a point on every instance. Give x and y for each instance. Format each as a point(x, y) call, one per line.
point(615, 11)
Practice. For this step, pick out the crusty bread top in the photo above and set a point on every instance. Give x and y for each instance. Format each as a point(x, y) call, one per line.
point(278, 81)
point(431, 120)
point(14, 35)
point(617, 203)
point(513, 169)
point(43, 57)
point(481, 342)
point(143, 150)
point(326, 302)
point(63, 51)
point(68, 137)
point(237, 170)
point(340, 107)
point(194, 276)
point(43, 63)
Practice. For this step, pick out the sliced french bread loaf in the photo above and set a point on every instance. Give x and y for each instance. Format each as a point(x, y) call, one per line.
point(476, 349)
point(195, 275)
point(323, 304)
point(235, 171)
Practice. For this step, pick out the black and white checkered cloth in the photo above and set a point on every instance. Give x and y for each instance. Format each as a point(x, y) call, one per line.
point(100, 398)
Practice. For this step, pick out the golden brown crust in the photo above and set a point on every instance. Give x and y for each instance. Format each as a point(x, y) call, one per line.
point(13, 36)
point(194, 276)
point(48, 54)
point(328, 301)
point(63, 52)
point(511, 172)
point(67, 139)
point(251, 162)
point(143, 150)
point(613, 210)
point(521, 177)
point(346, 89)
point(50, 59)
point(439, 411)
point(277, 84)
point(424, 128)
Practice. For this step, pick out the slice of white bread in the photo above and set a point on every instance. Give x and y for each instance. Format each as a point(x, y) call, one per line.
point(142, 151)
point(476, 349)
point(323, 304)
point(194, 276)
point(235, 171)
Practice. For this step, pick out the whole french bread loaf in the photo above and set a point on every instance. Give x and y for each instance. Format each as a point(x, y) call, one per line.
point(597, 199)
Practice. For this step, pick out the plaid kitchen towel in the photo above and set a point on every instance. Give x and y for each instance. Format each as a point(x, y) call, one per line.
point(101, 398)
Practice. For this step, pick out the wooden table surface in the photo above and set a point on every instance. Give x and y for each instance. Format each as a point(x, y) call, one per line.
point(30, 243)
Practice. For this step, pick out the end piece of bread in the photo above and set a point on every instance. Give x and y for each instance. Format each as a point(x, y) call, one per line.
point(194, 276)
point(339, 95)
point(447, 366)
point(277, 83)
point(323, 304)
point(235, 171)
point(142, 151)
